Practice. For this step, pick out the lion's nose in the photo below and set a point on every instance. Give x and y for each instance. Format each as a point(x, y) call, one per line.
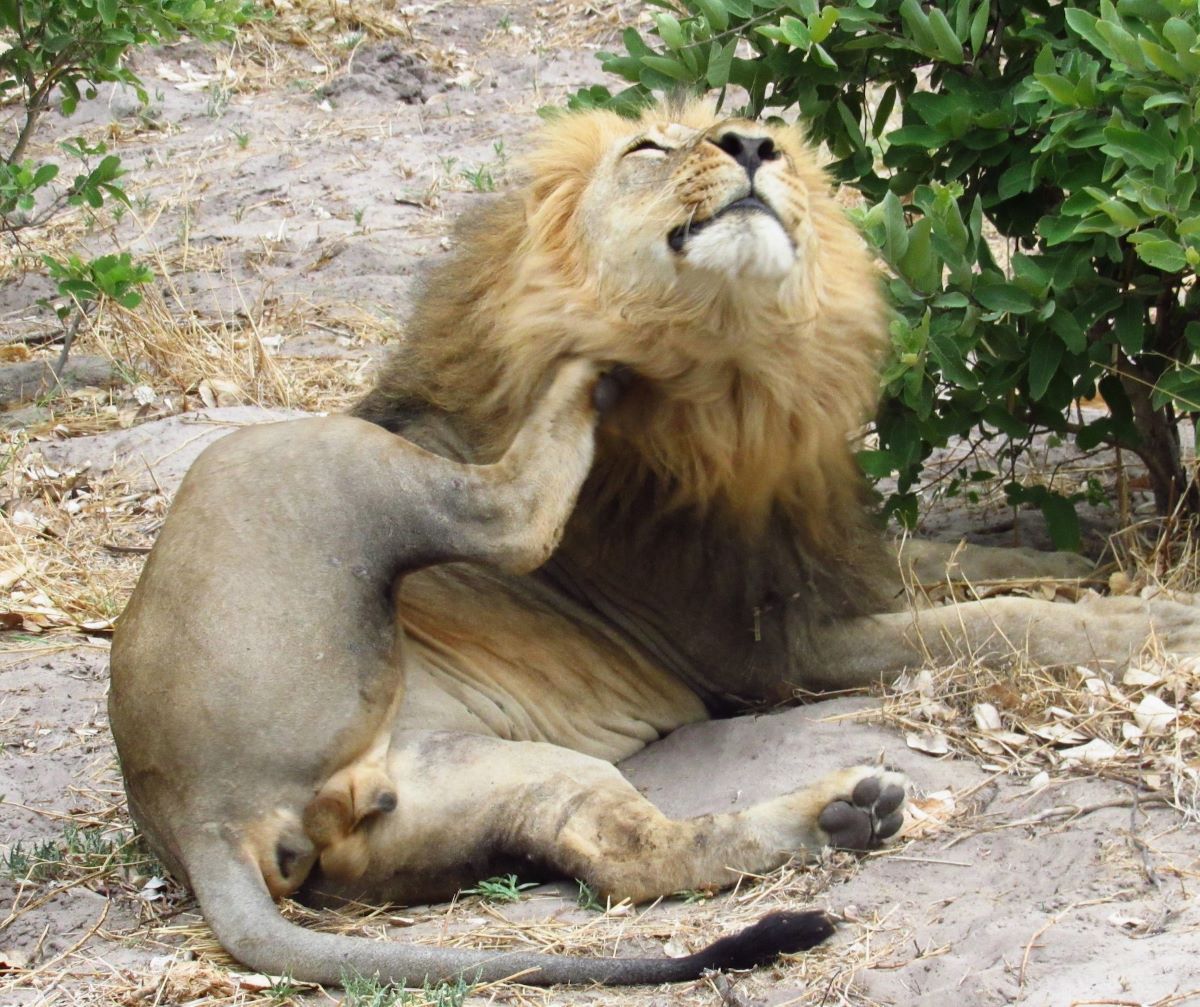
point(749, 151)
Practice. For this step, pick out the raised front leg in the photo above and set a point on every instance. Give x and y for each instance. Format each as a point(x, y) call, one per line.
point(470, 805)
point(1095, 630)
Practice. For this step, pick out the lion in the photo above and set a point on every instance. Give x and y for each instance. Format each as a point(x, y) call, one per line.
point(347, 673)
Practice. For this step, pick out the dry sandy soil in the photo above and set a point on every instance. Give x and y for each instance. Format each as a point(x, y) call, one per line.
point(288, 191)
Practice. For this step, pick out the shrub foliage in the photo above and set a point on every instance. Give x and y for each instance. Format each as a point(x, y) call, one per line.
point(56, 52)
point(1030, 176)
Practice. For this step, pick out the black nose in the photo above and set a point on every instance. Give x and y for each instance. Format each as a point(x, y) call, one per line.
point(748, 151)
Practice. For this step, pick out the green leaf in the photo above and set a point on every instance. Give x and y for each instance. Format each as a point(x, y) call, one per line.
point(883, 110)
point(795, 32)
point(950, 360)
point(979, 24)
point(1135, 147)
point(671, 68)
point(822, 57)
point(876, 464)
point(1015, 179)
point(820, 27)
point(1180, 387)
point(669, 30)
point(948, 45)
point(1061, 522)
point(851, 123)
point(1117, 212)
point(1162, 60)
point(108, 9)
point(1180, 34)
point(1162, 254)
point(1059, 88)
point(1084, 25)
point(1158, 100)
point(917, 23)
point(895, 229)
point(997, 295)
point(45, 174)
point(1129, 326)
point(1122, 44)
point(1067, 328)
point(1045, 355)
point(720, 59)
point(919, 265)
point(714, 13)
point(917, 136)
point(634, 44)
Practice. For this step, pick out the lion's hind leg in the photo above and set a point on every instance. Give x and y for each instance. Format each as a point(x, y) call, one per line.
point(470, 805)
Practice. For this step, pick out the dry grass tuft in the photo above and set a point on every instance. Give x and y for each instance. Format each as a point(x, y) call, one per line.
point(1140, 729)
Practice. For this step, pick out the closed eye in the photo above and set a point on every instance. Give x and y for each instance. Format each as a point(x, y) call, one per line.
point(645, 145)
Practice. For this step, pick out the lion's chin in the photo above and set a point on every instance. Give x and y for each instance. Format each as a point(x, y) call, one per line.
point(741, 246)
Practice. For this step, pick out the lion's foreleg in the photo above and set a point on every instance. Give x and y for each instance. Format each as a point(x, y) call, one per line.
point(1095, 630)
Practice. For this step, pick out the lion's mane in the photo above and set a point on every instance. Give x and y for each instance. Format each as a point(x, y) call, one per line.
point(745, 404)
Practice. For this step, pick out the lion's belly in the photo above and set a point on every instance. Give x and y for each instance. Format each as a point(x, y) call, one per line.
point(490, 655)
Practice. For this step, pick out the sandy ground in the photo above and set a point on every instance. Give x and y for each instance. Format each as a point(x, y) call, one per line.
point(290, 193)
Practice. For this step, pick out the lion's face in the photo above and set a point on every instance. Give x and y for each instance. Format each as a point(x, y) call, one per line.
point(672, 203)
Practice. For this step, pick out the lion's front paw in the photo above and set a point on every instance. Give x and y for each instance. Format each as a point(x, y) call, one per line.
point(869, 809)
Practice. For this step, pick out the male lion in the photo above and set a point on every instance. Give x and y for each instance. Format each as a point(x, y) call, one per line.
point(293, 716)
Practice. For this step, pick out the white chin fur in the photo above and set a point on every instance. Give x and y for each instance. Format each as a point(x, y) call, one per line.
point(743, 245)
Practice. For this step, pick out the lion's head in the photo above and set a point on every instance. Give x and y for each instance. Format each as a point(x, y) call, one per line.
point(709, 256)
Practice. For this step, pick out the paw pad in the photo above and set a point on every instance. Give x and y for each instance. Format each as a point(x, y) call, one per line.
point(872, 812)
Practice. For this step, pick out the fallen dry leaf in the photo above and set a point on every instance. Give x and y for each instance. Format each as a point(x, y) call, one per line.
point(929, 742)
point(1153, 715)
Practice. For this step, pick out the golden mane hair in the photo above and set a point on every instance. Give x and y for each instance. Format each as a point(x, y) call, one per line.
point(746, 399)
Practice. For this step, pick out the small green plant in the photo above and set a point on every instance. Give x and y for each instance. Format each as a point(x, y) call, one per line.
point(282, 991)
point(500, 889)
point(41, 862)
point(80, 851)
point(587, 898)
point(363, 991)
point(694, 896)
point(62, 50)
point(243, 139)
point(219, 97)
point(359, 216)
point(1030, 176)
point(481, 178)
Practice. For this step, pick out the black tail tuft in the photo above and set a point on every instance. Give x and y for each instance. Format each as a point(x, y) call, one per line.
point(773, 935)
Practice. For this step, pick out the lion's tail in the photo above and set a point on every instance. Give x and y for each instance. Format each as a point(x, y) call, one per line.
point(238, 907)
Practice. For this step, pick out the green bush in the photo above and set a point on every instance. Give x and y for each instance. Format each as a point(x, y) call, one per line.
point(59, 51)
point(1066, 132)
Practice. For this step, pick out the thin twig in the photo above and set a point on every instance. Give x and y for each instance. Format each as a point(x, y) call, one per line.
point(68, 339)
point(1139, 844)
